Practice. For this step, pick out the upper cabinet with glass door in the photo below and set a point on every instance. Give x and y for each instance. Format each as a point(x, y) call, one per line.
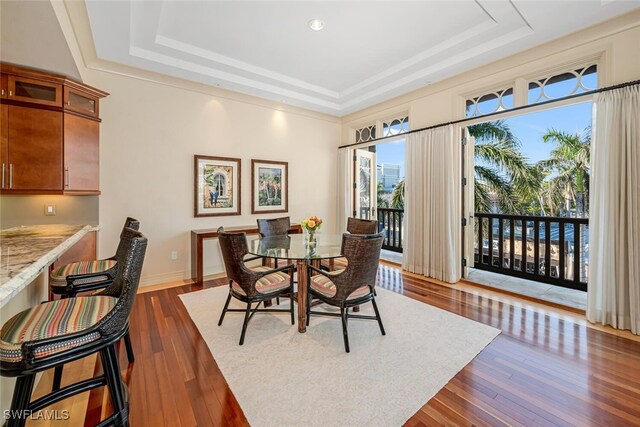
point(80, 102)
point(34, 91)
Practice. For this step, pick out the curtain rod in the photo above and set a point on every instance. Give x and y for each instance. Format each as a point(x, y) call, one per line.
point(498, 113)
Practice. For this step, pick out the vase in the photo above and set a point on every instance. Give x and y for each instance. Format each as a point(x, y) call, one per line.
point(310, 236)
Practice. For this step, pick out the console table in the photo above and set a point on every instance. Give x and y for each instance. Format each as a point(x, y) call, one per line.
point(199, 236)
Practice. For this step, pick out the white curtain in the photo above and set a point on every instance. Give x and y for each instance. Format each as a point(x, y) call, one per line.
point(344, 190)
point(614, 206)
point(432, 240)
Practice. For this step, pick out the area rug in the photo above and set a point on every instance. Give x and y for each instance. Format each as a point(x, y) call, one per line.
point(283, 378)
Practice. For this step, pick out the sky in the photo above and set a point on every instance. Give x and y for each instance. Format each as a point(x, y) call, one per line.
point(528, 128)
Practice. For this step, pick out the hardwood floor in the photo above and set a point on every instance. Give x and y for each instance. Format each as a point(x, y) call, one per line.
point(544, 369)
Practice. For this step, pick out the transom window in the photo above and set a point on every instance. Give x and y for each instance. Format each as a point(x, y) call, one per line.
point(571, 81)
point(390, 127)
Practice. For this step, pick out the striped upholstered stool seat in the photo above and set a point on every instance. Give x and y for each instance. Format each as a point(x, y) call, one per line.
point(323, 285)
point(269, 283)
point(58, 277)
point(53, 319)
point(339, 264)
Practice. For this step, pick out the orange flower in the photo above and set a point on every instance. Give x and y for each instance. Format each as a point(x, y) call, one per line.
point(311, 223)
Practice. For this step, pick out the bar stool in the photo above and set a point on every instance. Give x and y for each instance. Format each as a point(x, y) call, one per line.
point(58, 332)
point(71, 279)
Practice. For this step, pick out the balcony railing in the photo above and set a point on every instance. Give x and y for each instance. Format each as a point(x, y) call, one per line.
point(545, 249)
point(390, 219)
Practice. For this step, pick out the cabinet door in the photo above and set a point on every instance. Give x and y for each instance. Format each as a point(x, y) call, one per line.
point(80, 102)
point(81, 154)
point(35, 91)
point(4, 90)
point(35, 149)
point(4, 145)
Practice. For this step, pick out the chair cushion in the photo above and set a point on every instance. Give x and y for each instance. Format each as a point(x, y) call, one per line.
point(339, 264)
point(324, 286)
point(53, 319)
point(267, 284)
point(58, 277)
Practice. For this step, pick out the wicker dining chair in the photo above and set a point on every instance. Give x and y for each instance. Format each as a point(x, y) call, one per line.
point(274, 227)
point(354, 226)
point(58, 332)
point(252, 284)
point(77, 277)
point(352, 286)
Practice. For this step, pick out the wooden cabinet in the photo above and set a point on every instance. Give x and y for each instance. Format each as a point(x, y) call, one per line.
point(80, 102)
point(4, 90)
point(50, 134)
point(4, 144)
point(35, 149)
point(81, 154)
point(35, 91)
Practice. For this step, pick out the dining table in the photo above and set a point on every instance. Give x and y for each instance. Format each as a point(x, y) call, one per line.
point(299, 249)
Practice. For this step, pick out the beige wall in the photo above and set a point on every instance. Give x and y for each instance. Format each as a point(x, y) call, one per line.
point(28, 210)
point(615, 43)
point(149, 135)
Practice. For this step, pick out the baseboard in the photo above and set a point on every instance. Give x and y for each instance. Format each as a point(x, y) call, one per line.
point(170, 280)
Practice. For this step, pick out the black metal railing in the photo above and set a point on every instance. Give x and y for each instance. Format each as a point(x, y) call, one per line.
point(545, 249)
point(390, 219)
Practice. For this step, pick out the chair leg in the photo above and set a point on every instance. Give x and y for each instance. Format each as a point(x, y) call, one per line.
point(224, 310)
point(246, 322)
point(57, 377)
point(127, 343)
point(293, 318)
point(308, 307)
point(20, 402)
point(111, 367)
point(277, 300)
point(345, 334)
point(375, 308)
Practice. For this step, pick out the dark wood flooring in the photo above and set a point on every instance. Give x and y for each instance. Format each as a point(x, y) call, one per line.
point(542, 370)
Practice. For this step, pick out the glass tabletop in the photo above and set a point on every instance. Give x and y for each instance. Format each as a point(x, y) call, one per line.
point(295, 247)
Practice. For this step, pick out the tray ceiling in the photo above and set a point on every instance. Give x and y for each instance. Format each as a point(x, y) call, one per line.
point(367, 52)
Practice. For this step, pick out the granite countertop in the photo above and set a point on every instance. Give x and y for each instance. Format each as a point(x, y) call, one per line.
point(27, 250)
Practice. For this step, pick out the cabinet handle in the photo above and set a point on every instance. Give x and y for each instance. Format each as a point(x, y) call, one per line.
point(2, 91)
point(3, 175)
point(68, 102)
point(10, 93)
point(67, 178)
point(10, 175)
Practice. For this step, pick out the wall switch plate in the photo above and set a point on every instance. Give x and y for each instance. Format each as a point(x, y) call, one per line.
point(49, 210)
point(174, 255)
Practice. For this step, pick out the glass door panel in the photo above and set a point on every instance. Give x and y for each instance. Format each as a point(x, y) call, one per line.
point(365, 187)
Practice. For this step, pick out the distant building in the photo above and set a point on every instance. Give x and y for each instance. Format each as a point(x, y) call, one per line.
point(388, 175)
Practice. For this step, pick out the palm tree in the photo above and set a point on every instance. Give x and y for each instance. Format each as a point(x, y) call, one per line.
point(397, 195)
point(501, 169)
point(570, 161)
point(569, 164)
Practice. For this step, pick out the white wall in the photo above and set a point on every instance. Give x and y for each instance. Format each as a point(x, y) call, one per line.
point(614, 42)
point(149, 135)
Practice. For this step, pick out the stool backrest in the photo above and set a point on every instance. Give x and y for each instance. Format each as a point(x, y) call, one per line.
point(126, 281)
point(131, 223)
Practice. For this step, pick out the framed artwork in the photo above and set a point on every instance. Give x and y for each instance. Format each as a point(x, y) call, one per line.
point(217, 186)
point(269, 186)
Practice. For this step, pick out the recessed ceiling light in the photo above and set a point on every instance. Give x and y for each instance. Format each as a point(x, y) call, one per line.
point(316, 24)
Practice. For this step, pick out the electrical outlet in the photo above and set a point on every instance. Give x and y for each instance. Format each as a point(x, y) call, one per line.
point(174, 255)
point(49, 210)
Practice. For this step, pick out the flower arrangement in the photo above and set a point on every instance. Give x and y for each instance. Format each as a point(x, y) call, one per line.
point(311, 225)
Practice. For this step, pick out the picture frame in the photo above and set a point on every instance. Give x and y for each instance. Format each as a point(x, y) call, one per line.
point(269, 186)
point(217, 186)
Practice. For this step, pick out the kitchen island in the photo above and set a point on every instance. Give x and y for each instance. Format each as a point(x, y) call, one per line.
point(27, 251)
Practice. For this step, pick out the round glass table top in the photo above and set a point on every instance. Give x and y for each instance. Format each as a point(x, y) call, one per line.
point(296, 247)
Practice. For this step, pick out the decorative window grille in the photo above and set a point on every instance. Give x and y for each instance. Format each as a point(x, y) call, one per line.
point(564, 84)
point(366, 133)
point(383, 128)
point(490, 103)
point(395, 126)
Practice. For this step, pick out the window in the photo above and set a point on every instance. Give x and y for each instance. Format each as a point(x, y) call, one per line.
point(564, 84)
point(390, 127)
point(490, 103)
point(220, 184)
point(570, 81)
